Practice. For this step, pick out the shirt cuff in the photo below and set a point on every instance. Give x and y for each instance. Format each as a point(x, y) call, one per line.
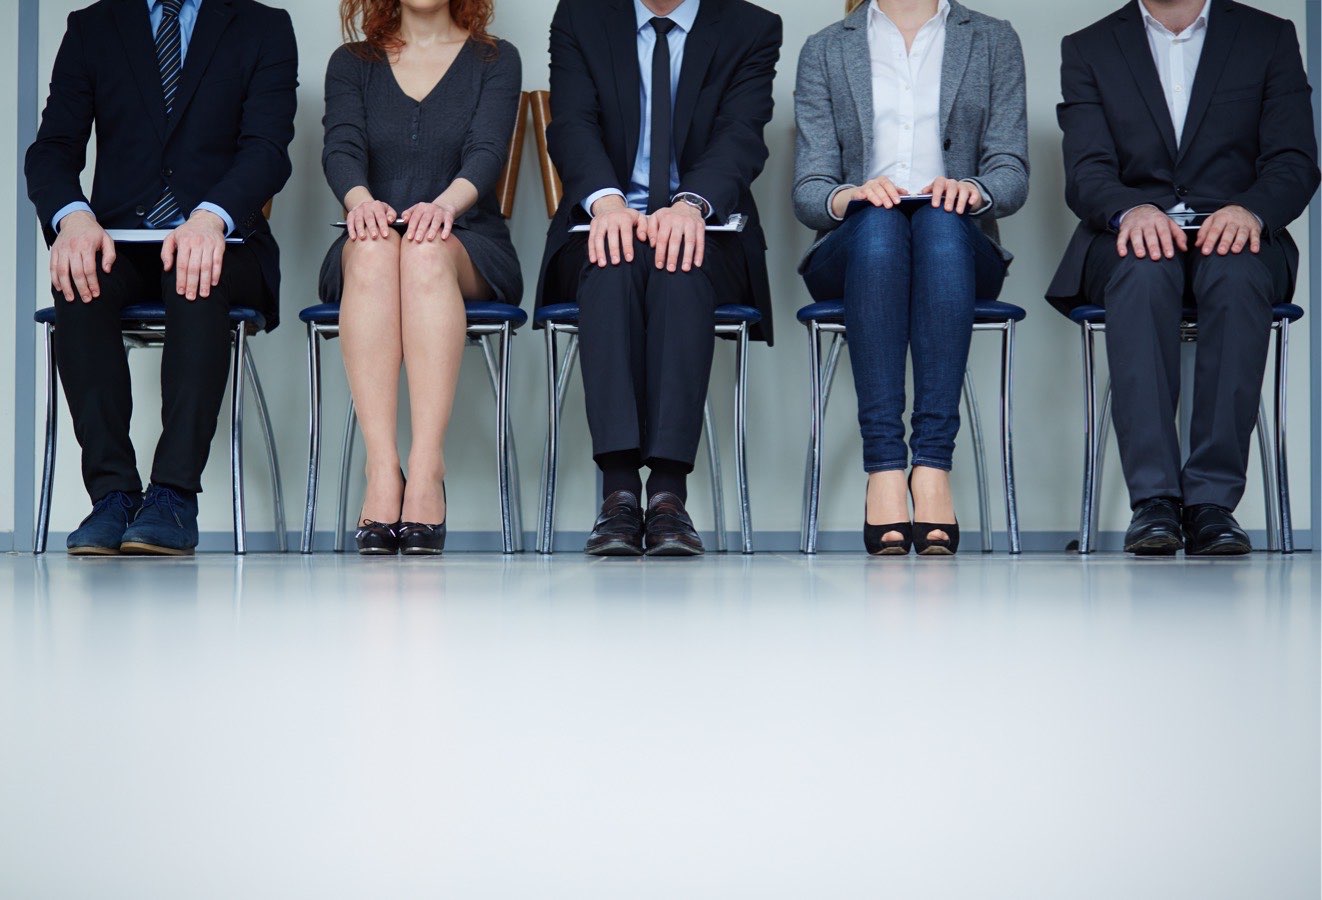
point(703, 203)
point(830, 200)
point(224, 216)
point(76, 206)
point(606, 192)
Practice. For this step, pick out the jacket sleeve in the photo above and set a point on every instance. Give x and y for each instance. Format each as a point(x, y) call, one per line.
point(266, 126)
point(1093, 188)
point(818, 161)
point(487, 144)
point(56, 158)
point(737, 150)
point(1003, 167)
point(1287, 156)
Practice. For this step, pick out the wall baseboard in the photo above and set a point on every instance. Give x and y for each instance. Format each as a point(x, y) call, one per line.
point(763, 541)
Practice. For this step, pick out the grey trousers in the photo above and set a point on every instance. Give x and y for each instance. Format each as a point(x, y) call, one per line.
point(1144, 300)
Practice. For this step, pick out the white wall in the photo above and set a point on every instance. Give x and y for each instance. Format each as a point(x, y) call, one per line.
point(1048, 422)
point(8, 210)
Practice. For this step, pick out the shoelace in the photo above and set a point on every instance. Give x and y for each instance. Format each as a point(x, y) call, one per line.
point(106, 502)
point(166, 499)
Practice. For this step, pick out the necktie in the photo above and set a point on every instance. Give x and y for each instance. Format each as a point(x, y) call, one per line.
point(658, 181)
point(170, 59)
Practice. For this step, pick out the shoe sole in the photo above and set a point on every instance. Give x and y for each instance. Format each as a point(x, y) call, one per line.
point(891, 551)
point(416, 551)
point(93, 551)
point(137, 548)
point(936, 551)
point(614, 548)
point(1227, 549)
point(1158, 546)
point(377, 553)
point(673, 548)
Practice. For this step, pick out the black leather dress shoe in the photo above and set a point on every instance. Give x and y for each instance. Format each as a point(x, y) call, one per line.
point(1155, 528)
point(670, 531)
point(1212, 531)
point(619, 528)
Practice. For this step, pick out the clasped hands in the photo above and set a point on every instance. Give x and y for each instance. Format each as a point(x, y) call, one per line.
point(1152, 234)
point(194, 251)
point(677, 233)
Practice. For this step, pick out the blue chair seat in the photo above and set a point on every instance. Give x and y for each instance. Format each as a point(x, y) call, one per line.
point(479, 313)
point(154, 313)
point(1281, 312)
point(567, 314)
point(832, 312)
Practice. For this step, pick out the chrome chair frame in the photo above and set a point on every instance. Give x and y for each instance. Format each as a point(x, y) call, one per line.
point(557, 379)
point(497, 364)
point(822, 378)
point(147, 336)
point(1271, 446)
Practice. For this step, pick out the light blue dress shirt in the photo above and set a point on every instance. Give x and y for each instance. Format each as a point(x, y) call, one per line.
point(683, 17)
point(187, 20)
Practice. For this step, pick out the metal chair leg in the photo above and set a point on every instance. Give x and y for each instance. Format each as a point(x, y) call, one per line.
point(346, 465)
point(813, 473)
point(510, 465)
point(314, 440)
point(1282, 461)
point(236, 437)
point(717, 477)
point(502, 442)
point(1099, 457)
point(979, 462)
point(552, 464)
point(1269, 498)
point(741, 439)
point(272, 460)
point(1089, 443)
point(1007, 439)
point(48, 456)
point(552, 446)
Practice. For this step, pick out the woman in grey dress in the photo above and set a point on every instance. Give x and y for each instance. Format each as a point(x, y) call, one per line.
point(418, 122)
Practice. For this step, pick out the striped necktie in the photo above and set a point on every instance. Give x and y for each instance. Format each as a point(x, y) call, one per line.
point(170, 59)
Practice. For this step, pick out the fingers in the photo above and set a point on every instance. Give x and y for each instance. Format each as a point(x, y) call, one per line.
point(79, 279)
point(1255, 240)
point(108, 255)
point(680, 238)
point(643, 225)
point(1210, 234)
point(204, 256)
point(952, 193)
point(1241, 240)
point(217, 263)
point(447, 216)
point(892, 191)
point(699, 246)
point(613, 243)
point(1122, 242)
point(382, 220)
point(661, 243)
point(88, 259)
point(414, 217)
point(938, 191)
point(596, 242)
point(1167, 245)
point(189, 267)
point(1152, 241)
point(60, 274)
point(1227, 238)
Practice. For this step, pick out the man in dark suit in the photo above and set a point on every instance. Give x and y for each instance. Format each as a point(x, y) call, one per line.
point(1189, 147)
point(193, 103)
point(658, 108)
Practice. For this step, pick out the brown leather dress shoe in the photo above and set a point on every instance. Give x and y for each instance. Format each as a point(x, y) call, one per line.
point(619, 528)
point(670, 531)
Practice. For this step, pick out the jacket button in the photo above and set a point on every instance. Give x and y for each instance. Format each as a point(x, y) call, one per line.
point(140, 211)
point(1181, 190)
point(946, 145)
point(167, 172)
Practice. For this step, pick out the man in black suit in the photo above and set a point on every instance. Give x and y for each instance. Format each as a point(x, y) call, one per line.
point(193, 103)
point(1189, 147)
point(658, 108)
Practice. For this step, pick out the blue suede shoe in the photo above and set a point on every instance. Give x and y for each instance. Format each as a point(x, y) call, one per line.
point(101, 533)
point(166, 525)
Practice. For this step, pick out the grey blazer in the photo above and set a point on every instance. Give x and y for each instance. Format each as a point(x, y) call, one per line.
point(983, 108)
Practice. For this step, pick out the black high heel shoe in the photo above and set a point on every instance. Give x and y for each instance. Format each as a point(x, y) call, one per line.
point(417, 539)
point(926, 546)
point(377, 539)
point(874, 538)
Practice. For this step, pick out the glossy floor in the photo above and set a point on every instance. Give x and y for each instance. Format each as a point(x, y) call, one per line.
point(731, 727)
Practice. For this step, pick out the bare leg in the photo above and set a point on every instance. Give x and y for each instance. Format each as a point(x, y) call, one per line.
point(932, 501)
point(888, 501)
point(435, 277)
point(370, 334)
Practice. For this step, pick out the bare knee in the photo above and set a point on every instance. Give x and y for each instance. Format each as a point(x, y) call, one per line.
point(372, 261)
point(429, 262)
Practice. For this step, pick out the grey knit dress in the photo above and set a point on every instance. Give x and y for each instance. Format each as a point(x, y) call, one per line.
point(407, 152)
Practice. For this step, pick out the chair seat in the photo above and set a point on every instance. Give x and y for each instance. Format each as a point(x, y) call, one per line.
point(567, 314)
point(1096, 315)
point(832, 312)
point(154, 313)
point(479, 313)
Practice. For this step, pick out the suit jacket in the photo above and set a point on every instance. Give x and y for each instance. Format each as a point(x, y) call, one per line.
point(1248, 139)
point(721, 107)
point(227, 142)
point(983, 116)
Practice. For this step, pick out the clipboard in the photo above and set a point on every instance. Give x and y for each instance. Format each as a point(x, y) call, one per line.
point(399, 225)
point(149, 236)
point(733, 225)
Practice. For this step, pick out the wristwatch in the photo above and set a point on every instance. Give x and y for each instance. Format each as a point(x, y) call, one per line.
point(693, 200)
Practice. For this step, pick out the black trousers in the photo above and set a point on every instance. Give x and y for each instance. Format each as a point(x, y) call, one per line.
point(93, 366)
point(646, 338)
point(1143, 298)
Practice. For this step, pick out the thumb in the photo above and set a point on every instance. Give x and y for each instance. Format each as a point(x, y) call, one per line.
point(107, 252)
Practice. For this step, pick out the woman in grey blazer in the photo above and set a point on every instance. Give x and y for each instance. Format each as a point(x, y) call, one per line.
point(905, 98)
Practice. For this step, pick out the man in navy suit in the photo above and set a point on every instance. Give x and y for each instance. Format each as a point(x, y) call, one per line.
point(193, 104)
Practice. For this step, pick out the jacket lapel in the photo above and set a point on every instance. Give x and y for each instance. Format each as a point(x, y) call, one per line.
point(856, 61)
point(1222, 26)
point(213, 17)
point(959, 43)
point(140, 48)
point(1131, 35)
point(699, 46)
point(622, 38)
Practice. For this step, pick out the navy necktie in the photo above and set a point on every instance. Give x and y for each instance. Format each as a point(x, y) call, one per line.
point(658, 181)
point(170, 59)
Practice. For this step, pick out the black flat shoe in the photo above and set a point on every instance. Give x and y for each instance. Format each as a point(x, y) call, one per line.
point(1155, 528)
point(377, 539)
point(876, 544)
point(927, 546)
point(417, 539)
point(1212, 531)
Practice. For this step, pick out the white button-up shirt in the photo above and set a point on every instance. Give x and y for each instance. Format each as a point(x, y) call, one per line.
point(906, 100)
point(1177, 56)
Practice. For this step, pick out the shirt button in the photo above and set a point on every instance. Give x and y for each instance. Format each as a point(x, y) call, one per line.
point(140, 211)
point(1178, 88)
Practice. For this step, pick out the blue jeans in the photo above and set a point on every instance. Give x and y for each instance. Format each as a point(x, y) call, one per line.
point(909, 278)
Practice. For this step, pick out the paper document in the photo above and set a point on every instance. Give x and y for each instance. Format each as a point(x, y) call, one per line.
point(149, 236)
point(735, 224)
